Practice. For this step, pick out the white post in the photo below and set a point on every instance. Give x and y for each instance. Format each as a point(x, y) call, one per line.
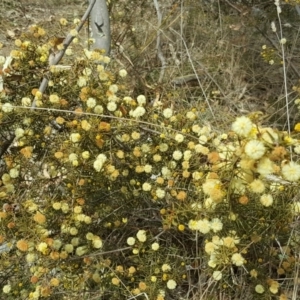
point(100, 27)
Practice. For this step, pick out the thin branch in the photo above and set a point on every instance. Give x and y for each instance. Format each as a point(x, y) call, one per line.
point(284, 69)
point(158, 43)
point(107, 116)
point(102, 253)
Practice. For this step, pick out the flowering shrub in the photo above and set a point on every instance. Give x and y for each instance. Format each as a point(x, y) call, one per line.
point(106, 196)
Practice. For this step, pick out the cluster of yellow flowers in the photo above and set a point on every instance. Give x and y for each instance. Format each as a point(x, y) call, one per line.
point(293, 2)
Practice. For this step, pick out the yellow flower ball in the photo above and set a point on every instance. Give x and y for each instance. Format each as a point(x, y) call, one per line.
point(97, 243)
point(166, 268)
point(217, 275)
point(39, 218)
point(22, 245)
point(181, 227)
point(155, 246)
point(141, 236)
point(171, 284)
point(291, 171)
point(259, 289)
point(63, 21)
point(54, 282)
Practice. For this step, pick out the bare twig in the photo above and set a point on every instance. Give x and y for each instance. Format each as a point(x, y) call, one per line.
point(158, 43)
point(136, 121)
point(102, 253)
point(280, 39)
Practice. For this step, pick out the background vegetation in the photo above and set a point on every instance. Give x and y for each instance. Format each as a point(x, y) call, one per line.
point(140, 179)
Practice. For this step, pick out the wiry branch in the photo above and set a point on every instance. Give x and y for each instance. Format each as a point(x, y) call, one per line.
point(158, 43)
